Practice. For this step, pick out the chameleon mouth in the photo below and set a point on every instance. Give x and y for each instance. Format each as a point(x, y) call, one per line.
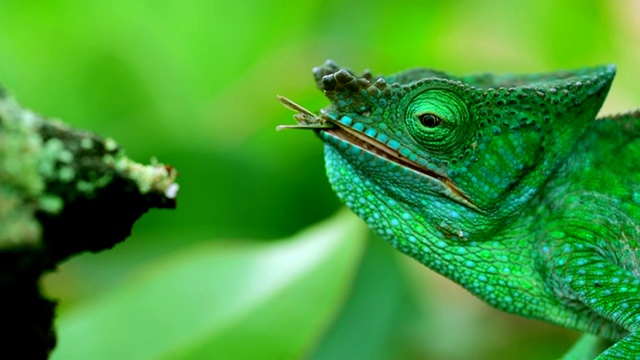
point(310, 121)
point(371, 145)
point(379, 149)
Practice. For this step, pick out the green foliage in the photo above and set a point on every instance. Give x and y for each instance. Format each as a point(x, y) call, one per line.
point(215, 298)
point(194, 83)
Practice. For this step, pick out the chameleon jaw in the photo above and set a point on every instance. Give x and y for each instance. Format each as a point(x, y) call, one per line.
point(310, 121)
point(379, 149)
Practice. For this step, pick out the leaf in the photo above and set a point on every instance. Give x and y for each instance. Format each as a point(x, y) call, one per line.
point(256, 301)
point(373, 323)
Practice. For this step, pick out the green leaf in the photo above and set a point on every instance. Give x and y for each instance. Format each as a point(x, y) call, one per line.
point(373, 323)
point(254, 301)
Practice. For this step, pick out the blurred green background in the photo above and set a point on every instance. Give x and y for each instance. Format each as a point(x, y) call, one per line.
point(194, 83)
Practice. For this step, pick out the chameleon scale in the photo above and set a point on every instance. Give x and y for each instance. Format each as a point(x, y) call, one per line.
point(505, 184)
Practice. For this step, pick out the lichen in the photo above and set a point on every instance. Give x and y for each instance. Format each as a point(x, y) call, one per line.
point(17, 224)
point(20, 147)
point(63, 191)
point(50, 203)
point(86, 143)
point(19, 150)
point(66, 174)
point(44, 163)
point(110, 144)
point(155, 177)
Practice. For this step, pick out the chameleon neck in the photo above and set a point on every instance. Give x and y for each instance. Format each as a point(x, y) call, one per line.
point(503, 271)
point(500, 271)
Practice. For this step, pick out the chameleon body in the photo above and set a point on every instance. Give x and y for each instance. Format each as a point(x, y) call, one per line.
point(504, 184)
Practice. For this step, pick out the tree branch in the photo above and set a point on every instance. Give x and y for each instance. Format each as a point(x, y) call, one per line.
point(62, 192)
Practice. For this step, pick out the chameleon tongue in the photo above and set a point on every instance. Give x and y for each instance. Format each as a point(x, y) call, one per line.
point(305, 118)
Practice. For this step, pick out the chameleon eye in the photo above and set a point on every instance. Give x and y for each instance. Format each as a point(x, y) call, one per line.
point(429, 120)
point(437, 119)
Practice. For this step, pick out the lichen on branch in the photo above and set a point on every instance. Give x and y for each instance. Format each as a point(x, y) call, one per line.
point(62, 192)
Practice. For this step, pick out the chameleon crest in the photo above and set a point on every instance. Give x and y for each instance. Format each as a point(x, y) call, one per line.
point(482, 178)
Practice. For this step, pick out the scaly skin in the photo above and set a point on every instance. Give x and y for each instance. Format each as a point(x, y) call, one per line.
point(504, 184)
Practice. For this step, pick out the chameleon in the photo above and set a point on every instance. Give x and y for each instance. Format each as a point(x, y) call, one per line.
point(507, 184)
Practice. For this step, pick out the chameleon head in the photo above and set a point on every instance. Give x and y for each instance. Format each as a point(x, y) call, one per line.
point(423, 152)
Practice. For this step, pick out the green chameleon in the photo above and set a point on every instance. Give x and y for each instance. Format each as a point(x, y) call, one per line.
point(504, 184)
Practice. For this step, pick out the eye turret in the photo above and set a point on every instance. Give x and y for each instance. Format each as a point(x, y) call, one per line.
point(438, 120)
